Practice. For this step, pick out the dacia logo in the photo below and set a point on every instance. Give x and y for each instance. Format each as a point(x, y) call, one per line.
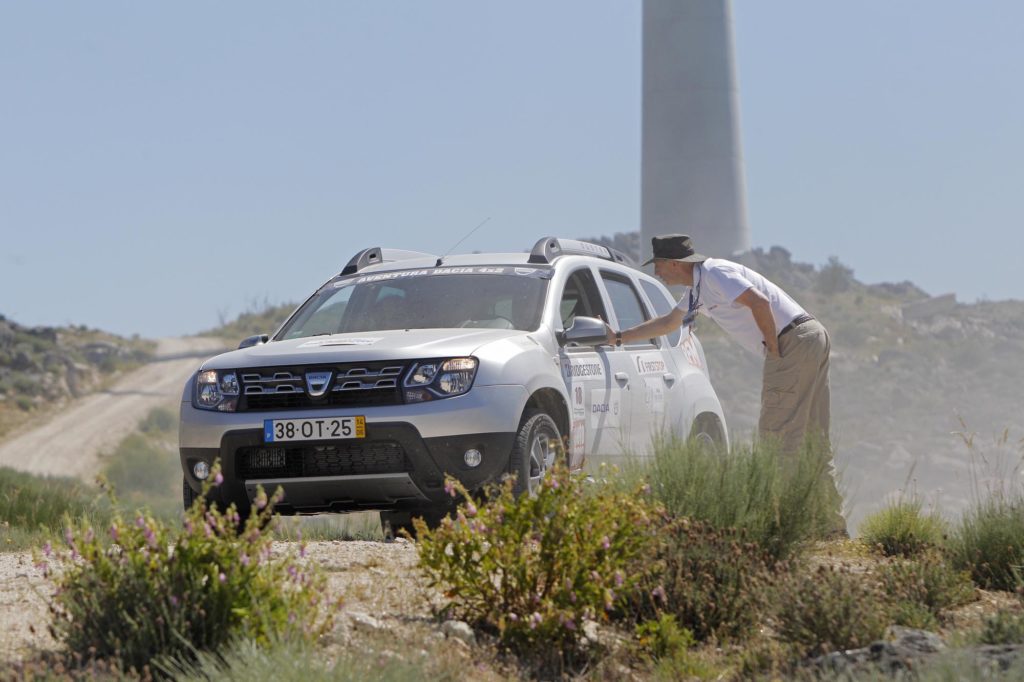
point(317, 383)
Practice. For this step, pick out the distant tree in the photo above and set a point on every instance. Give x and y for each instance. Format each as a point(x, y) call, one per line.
point(834, 277)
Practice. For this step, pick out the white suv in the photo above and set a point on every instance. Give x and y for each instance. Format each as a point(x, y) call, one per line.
point(406, 367)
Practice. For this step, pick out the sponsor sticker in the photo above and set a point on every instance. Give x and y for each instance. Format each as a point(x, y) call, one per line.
point(690, 351)
point(605, 409)
point(650, 363)
point(582, 368)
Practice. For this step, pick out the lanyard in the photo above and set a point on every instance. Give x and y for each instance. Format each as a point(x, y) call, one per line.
point(695, 304)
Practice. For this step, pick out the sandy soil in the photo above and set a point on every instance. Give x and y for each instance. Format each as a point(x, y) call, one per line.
point(71, 442)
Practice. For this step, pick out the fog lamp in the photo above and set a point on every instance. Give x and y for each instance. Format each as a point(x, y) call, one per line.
point(473, 457)
point(201, 470)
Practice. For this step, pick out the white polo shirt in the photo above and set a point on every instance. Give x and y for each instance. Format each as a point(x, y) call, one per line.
point(716, 285)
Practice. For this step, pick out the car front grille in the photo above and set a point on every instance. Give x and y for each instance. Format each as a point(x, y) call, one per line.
point(295, 461)
point(350, 385)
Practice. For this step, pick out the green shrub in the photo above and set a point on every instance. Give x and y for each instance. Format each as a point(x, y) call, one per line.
point(989, 542)
point(532, 569)
point(1005, 627)
point(140, 589)
point(31, 502)
point(829, 609)
point(778, 506)
point(712, 581)
point(672, 649)
point(901, 529)
point(921, 589)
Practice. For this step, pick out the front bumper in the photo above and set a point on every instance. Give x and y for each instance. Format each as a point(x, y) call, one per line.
point(394, 467)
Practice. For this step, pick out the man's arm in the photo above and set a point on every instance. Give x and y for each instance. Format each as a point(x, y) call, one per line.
point(762, 311)
point(658, 326)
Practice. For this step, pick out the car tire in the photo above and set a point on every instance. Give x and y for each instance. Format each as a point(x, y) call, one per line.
point(534, 451)
point(707, 431)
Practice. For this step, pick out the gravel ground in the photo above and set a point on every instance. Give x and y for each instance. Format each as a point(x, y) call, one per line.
point(387, 608)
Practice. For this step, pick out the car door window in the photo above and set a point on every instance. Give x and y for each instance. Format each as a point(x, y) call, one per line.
point(662, 305)
point(580, 297)
point(625, 301)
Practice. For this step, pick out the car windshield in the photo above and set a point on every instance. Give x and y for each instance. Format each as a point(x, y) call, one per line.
point(491, 297)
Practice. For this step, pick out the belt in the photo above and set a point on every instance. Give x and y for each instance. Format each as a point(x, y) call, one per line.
point(797, 321)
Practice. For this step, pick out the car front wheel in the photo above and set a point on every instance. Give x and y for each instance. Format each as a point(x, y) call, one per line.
point(535, 450)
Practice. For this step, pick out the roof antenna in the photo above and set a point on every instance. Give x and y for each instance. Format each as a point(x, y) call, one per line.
point(438, 263)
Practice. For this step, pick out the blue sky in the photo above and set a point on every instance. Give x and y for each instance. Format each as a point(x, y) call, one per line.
point(165, 165)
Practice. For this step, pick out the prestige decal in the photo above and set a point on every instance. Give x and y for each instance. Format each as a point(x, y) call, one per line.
point(650, 364)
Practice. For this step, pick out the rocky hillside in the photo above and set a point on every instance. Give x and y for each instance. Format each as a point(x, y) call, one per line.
point(43, 367)
point(910, 373)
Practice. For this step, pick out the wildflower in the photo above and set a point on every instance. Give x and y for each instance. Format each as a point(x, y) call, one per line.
point(605, 542)
point(47, 549)
point(218, 479)
point(174, 600)
point(140, 522)
point(619, 578)
point(261, 500)
point(659, 593)
point(69, 537)
point(223, 578)
point(114, 533)
point(535, 620)
point(150, 537)
point(89, 535)
point(449, 487)
point(292, 572)
point(513, 617)
point(568, 623)
point(470, 508)
point(244, 559)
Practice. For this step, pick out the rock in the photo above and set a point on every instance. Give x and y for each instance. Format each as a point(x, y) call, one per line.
point(901, 654)
point(916, 640)
point(459, 630)
point(365, 623)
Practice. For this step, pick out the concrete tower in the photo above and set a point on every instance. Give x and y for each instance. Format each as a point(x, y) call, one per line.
point(692, 165)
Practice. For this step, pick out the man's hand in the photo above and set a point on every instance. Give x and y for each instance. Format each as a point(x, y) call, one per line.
point(773, 349)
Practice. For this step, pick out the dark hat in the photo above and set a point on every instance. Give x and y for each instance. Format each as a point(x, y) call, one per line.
point(675, 247)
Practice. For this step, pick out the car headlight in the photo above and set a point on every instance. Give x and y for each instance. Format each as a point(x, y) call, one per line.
point(433, 379)
point(217, 390)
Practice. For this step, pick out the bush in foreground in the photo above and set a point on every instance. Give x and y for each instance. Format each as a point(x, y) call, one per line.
point(827, 609)
point(139, 588)
point(989, 542)
point(920, 589)
point(778, 503)
point(902, 529)
point(534, 569)
point(714, 582)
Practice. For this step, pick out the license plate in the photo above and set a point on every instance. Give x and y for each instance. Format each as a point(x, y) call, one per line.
point(326, 428)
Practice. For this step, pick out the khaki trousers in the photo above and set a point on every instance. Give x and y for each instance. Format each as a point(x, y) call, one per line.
point(795, 391)
point(795, 404)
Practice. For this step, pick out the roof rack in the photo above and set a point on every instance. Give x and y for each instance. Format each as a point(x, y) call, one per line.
point(550, 248)
point(377, 255)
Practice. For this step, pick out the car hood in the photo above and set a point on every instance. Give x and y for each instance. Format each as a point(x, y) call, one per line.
point(397, 344)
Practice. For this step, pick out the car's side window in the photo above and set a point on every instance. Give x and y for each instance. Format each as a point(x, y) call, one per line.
point(662, 305)
point(625, 301)
point(580, 297)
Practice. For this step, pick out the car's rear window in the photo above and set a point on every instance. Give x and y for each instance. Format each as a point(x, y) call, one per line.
point(491, 297)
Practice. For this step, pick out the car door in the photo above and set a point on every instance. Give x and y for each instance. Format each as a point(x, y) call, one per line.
point(669, 405)
point(594, 397)
point(632, 365)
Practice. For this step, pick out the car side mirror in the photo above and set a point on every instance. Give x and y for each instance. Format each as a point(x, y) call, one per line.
point(584, 331)
point(257, 340)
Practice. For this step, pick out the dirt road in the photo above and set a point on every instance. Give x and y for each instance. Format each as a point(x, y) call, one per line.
point(70, 444)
